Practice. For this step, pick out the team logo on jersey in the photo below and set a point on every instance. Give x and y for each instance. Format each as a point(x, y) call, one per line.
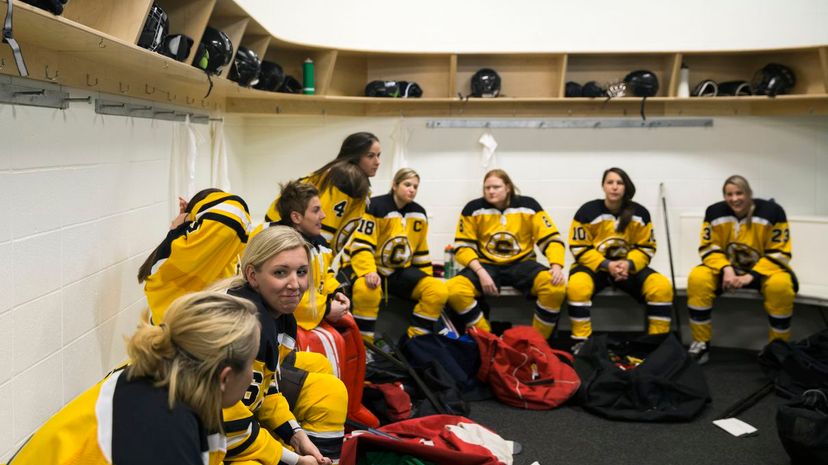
point(613, 248)
point(395, 252)
point(742, 257)
point(344, 233)
point(502, 245)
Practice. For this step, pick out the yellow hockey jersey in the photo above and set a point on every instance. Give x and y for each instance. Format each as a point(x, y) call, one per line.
point(264, 412)
point(593, 238)
point(342, 212)
point(762, 246)
point(205, 248)
point(503, 237)
point(390, 238)
point(108, 424)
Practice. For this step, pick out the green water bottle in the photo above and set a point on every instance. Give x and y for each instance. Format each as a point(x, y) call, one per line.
point(307, 69)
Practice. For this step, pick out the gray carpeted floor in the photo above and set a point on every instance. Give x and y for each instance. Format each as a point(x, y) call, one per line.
point(573, 436)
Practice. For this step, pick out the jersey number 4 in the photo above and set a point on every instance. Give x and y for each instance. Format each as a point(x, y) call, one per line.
point(340, 208)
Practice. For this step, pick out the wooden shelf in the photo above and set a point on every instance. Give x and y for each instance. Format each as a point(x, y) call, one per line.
point(93, 47)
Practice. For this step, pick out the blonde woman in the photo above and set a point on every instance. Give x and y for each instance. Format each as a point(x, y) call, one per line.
point(344, 186)
point(294, 396)
point(389, 248)
point(745, 244)
point(181, 375)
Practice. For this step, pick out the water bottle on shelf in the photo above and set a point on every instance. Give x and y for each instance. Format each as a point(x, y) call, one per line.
point(448, 262)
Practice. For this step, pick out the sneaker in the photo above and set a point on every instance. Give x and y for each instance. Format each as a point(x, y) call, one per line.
point(699, 351)
point(576, 348)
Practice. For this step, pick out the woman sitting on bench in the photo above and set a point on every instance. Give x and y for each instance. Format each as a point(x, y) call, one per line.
point(495, 242)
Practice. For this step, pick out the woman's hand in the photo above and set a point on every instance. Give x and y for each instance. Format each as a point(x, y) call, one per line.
point(619, 270)
point(339, 307)
point(303, 445)
point(557, 276)
point(182, 214)
point(486, 282)
point(311, 460)
point(372, 280)
point(730, 280)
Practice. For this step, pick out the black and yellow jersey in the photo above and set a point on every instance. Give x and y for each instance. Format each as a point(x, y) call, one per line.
point(109, 423)
point(342, 212)
point(761, 245)
point(593, 237)
point(503, 237)
point(263, 406)
point(390, 238)
point(205, 248)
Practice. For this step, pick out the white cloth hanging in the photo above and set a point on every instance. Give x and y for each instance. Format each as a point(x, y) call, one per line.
point(400, 137)
point(219, 174)
point(487, 155)
point(182, 164)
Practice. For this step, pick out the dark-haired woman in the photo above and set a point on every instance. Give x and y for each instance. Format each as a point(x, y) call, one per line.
point(166, 406)
point(344, 187)
point(612, 240)
point(745, 244)
point(203, 245)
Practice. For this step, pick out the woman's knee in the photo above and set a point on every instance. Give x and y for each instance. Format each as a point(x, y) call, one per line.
point(580, 287)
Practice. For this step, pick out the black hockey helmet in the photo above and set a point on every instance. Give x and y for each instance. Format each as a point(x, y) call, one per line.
point(55, 6)
point(573, 89)
point(271, 76)
point(246, 67)
point(409, 89)
point(592, 89)
point(735, 88)
point(485, 83)
point(773, 79)
point(382, 89)
point(291, 86)
point(642, 83)
point(214, 52)
point(155, 29)
point(177, 46)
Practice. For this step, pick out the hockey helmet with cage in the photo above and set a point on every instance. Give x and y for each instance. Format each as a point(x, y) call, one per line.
point(773, 79)
point(55, 6)
point(409, 89)
point(642, 83)
point(246, 67)
point(155, 29)
point(214, 52)
point(485, 83)
point(271, 76)
point(176, 46)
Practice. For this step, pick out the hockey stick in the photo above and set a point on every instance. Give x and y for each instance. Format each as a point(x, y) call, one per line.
point(670, 256)
point(359, 426)
point(747, 402)
point(399, 360)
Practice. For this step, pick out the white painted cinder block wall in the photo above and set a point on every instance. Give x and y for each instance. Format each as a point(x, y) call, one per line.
point(85, 198)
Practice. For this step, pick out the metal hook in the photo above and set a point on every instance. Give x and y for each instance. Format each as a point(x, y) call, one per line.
point(140, 108)
point(173, 98)
point(101, 43)
point(87, 99)
point(113, 105)
point(2, 63)
point(91, 84)
point(190, 102)
point(29, 92)
point(164, 112)
point(147, 89)
point(51, 78)
point(123, 89)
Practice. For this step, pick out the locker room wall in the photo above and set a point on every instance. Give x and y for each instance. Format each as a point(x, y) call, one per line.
point(85, 200)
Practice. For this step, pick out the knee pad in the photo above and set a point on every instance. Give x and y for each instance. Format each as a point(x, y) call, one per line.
point(580, 288)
